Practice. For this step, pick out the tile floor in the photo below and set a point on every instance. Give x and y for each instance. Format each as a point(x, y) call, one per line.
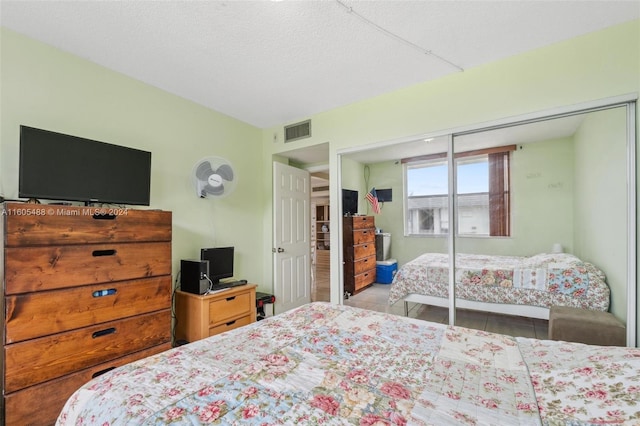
point(375, 298)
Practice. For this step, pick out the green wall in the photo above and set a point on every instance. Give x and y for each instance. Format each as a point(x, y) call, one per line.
point(542, 205)
point(353, 178)
point(44, 87)
point(594, 66)
point(47, 88)
point(542, 183)
point(571, 191)
point(601, 207)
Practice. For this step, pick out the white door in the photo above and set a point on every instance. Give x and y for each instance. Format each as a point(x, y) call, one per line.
point(291, 237)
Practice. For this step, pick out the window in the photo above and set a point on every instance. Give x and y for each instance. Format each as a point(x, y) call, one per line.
point(483, 193)
point(427, 188)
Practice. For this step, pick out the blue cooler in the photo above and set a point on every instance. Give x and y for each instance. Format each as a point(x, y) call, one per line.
point(385, 270)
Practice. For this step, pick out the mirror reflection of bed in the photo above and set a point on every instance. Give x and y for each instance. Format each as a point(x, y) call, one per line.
point(376, 298)
point(564, 191)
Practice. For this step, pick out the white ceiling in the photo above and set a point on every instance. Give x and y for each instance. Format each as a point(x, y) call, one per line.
point(275, 62)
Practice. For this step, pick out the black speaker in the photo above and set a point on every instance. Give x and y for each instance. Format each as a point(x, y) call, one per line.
point(193, 276)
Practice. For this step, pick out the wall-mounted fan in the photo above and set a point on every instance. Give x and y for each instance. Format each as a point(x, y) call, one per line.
point(214, 177)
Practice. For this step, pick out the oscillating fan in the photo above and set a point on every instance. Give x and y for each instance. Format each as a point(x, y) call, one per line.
point(214, 176)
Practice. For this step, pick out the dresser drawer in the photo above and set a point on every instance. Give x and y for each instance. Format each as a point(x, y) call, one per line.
point(39, 314)
point(364, 265)
point(228, 308)
point(364, 279)
point(230, 325)
point(31, 224)
point(201, 316)
point(51, 396)
point(364, 236)
point(363, 222)
point(47, 268)
point(364, 250)
point(45, 358)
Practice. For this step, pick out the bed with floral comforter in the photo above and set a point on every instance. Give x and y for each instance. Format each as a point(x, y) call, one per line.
point(338, 365)
point(543, 280)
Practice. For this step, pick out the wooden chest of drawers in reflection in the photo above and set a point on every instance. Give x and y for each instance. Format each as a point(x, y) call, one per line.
point(359, 250)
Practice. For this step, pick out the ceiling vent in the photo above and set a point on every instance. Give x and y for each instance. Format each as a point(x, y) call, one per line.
point(297, 131)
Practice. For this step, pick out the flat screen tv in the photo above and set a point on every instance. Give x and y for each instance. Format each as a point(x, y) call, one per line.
point(349, 202)
point(55, 166)
point(220, 263)
point(384, 195)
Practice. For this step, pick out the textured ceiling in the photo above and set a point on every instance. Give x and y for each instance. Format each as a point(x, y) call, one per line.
point(275, 62)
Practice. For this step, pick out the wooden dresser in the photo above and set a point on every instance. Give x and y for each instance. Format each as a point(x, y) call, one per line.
point(359, 251)
point(84, 290)
point(200, 316)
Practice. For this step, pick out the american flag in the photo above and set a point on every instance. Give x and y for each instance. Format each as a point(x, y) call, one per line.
point(372, 198)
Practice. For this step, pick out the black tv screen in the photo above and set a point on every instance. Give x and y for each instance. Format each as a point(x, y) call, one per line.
point(55, 166)
point(220, 262)
point(384, 195)
point(349, 202)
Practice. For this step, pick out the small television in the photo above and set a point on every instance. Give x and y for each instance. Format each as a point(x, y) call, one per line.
point(220, 263)
point(56, 166)
point(349, 202)
point(384, 195)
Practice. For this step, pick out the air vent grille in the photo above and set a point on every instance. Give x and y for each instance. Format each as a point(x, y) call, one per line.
point(297, 131)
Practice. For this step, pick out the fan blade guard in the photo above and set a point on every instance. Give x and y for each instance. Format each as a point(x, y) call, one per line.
point(214, 177)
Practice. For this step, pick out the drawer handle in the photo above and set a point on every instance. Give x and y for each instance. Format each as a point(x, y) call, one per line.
point(97, 253)
point(101, 372)
point(231, 322)
point(364, 232)
point(230, 298)
point(104, 332)
point(104, 216)
point(107, 292)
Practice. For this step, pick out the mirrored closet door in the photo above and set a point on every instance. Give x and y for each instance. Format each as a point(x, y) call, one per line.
point(542, 216)
point(516, 210)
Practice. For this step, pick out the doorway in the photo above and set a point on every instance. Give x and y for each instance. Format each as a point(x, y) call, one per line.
point(315, 160)
point(321, 244)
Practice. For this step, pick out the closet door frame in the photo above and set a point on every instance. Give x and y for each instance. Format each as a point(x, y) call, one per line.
point(628, 101)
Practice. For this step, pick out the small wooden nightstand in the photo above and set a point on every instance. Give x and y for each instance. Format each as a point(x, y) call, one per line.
point(201, 316)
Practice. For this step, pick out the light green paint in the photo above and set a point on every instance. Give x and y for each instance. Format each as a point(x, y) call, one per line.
point(542, 206)
point(47, 88)
point(601, 199)
point(541, 202)
point(353, 177)
point(586, 68)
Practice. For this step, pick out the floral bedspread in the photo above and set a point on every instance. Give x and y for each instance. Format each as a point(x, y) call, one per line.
point(541, 280)
point(339, 365)
point(599, 385)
